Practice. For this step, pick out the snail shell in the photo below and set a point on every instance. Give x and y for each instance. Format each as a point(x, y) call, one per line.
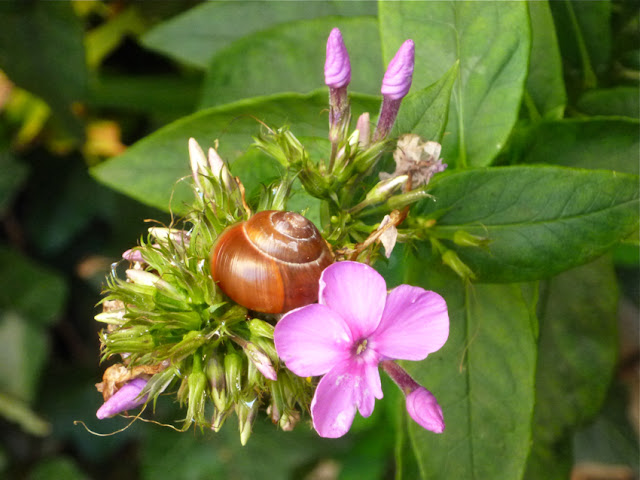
point(272, 262)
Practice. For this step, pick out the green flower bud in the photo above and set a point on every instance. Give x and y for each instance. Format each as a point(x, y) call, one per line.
point(398, 202)
point(216, 374)
point(451, 259)
point(289, 420)
point(233, 368)
point(197, 382)
point(247, 411)
point(260, 328)
point(466, 239)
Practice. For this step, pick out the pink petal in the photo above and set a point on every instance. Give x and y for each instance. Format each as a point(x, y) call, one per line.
point(357, 293)
point(368, 389)
point(311, 340)
point(124, 399)
point(424, 409)
point(415, 323)
point(350, 385)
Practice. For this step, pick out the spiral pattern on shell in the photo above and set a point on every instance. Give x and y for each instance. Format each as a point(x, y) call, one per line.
point(272, 262)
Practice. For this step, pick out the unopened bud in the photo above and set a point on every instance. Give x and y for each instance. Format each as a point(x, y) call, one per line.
point(247, 411)
point(289, 420)
point(364, 127)
point(198, 161)
point(337, 67)
point(395, 85)
point(398, 202)
point(173, 234)
point(216, 375)
point(233, 368)
point(218, 418)
point(397, 79)
point(451, 259)
point(126, 398)
point(133, 255)
point(466, 239)
point(261, 328)
point(197, 382)
point(260, 360)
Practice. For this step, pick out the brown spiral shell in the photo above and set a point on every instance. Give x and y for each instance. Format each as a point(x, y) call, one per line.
point(272, 262)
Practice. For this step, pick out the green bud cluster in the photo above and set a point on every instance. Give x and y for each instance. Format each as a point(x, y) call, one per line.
point(171, 319)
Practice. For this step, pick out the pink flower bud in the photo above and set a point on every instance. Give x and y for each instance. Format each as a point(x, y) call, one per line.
point(126, 398)
point(337, 68)
point(425, 411)
point(397, 79)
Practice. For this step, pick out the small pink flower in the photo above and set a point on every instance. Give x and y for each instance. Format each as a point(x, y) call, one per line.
point(354, 327)
point(127, 398)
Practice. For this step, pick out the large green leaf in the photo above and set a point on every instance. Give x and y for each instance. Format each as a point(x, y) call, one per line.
point(195, 36)
point(148, 171)
point(584, 34)
point(576, 361)
point(290, 58)
point(491, 41)
point(425, 112)
point(483, 378)
point(41, 50)
point(539, 220)
point(545, 85)
point(606, 143)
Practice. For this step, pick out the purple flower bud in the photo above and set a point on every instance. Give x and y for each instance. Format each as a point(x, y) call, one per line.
point(425, 411)
point(126, 398)
point(397, 79)
point(337, 68)
point(133, 255)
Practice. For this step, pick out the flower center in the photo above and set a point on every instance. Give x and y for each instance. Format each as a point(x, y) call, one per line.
point(361, 347)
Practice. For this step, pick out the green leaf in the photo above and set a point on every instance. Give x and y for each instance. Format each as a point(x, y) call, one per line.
point(13, 176)
point(30, 290)
point(598, 143)
point(491, 42)
point(17, 411)
point(195, 36)
point(576, 361)
point(483, 378)
point(539, 220)
point(545, 84)
point(290, 58)
point(618, 101)
point(41, 50)
point(24, 355)
point(584, 34)
point(425, 112)
point(148, 171)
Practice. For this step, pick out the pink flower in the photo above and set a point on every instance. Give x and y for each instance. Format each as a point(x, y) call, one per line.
point(353, 328)
point(126, 398)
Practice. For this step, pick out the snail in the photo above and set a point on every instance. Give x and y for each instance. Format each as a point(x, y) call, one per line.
point(271, 263)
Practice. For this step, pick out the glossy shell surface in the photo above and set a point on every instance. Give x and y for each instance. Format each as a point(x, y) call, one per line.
point(272, 262)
